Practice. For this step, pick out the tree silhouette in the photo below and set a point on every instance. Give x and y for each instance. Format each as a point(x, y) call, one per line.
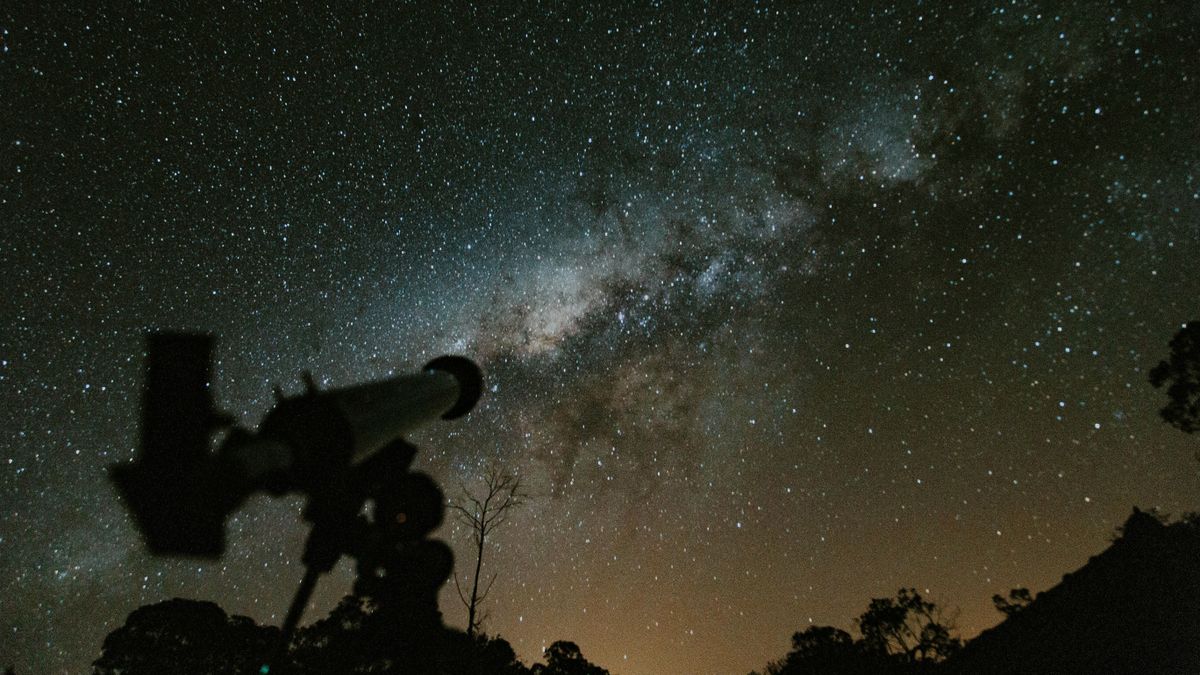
point(825, 649)
point(185, 637)
point(909, 627)
point(1017, 600)
point(905, 635)
point(492, 656)
point(341, 641)
point(355, 638)
point(565, 658)
point(483, 514)
point(1182, 370)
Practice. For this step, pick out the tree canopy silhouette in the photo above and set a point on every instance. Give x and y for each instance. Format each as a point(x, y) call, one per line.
point(190, 637)
point(1182, 371)
point(184, 637)
point(820, 650)
point(903, 635)
point(565, 658)
point(1017, 600)
point(907, 626)
point(355, 638)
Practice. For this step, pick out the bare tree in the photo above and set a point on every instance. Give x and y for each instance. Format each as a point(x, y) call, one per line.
point(483, 514)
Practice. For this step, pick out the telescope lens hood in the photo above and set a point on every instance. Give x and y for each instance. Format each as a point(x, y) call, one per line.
point(470, 382)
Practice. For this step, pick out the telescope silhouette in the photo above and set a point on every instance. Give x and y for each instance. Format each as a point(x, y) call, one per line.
point(181, 492)
point(341, 448)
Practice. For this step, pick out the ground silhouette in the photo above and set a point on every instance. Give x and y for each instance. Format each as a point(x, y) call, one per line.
point(1132, 609)
point(1135, 608)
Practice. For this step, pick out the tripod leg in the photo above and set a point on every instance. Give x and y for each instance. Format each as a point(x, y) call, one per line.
point(299, 601)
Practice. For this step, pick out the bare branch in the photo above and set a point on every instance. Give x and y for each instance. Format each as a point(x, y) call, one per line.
point(461, 595)
point(484, 594)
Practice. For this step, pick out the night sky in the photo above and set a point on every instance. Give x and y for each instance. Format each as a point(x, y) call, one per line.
point(782, 306)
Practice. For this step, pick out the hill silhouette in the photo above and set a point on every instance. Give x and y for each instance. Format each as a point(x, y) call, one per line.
point(1134, 608)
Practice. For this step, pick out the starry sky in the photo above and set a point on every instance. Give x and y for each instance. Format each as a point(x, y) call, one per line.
point(782, 306)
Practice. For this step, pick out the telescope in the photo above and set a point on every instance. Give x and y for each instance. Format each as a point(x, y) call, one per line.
point(341, 448)
point(181, 492)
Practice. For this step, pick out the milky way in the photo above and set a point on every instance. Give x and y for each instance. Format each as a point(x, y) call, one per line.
point(781, 307)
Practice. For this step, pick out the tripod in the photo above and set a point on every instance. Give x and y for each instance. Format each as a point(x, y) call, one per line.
point(397, 566)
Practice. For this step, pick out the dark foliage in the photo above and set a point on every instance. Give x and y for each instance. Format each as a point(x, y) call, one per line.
point(565, 658)
point(1182, 371)
point(1017, 600)
point(904, 635)
point(340, 640)
point(907, 627)
point(825, 649)
point(183, 637)
point(355, 637)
